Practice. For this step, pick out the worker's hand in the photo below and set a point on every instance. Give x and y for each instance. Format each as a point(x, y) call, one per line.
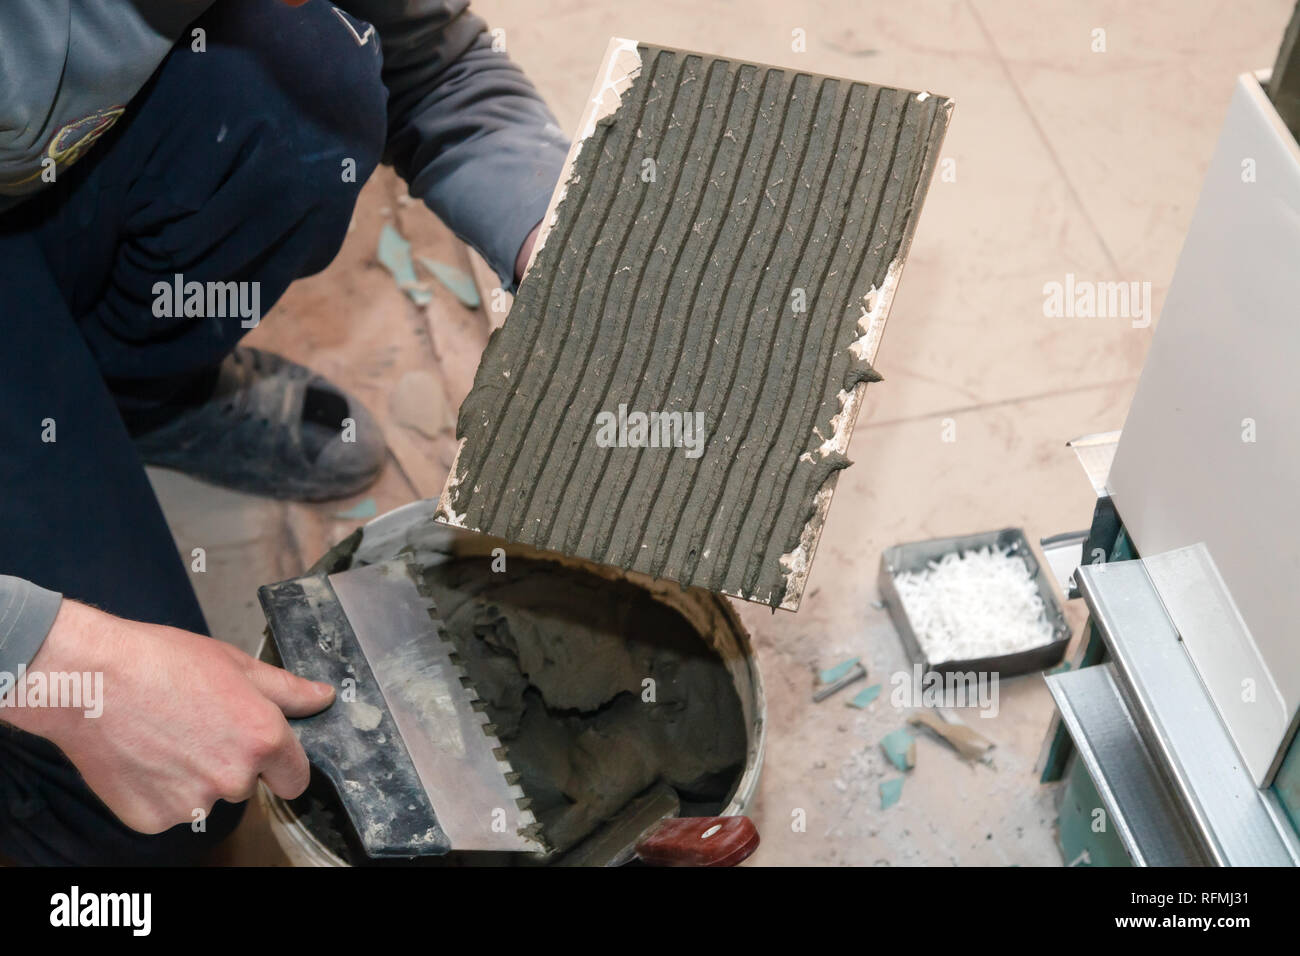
point(186, 720)
point(526, 253)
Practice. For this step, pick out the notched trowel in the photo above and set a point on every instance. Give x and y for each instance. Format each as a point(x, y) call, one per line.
point(406, 744)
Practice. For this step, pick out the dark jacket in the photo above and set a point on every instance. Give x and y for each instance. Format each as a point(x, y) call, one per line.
point(465, 129)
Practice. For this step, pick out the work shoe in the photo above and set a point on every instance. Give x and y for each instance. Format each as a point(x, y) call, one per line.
point(272, 427)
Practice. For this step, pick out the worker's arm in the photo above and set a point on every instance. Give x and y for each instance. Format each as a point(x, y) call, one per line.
point(184, 720)
point(466, 129)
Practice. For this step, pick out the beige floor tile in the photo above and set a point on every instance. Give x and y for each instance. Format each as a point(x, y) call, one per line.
point(1132, 128)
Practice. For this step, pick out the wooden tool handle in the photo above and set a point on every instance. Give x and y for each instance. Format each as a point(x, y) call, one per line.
point(698, 841)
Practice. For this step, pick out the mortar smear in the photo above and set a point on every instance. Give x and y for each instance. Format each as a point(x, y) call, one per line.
point(561, 659)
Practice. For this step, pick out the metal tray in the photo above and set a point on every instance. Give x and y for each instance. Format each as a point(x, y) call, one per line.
point(904, 558)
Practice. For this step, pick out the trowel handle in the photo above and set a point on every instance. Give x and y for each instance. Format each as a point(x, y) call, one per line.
point(698, 841)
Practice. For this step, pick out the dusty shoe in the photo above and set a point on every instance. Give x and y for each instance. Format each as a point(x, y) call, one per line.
point(275, 428)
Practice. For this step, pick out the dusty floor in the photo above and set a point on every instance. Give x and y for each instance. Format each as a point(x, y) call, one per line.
point(1065, 160)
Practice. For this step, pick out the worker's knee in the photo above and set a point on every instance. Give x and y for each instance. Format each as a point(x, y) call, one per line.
point(331, 71)
point(265, 113)
point(313, 71)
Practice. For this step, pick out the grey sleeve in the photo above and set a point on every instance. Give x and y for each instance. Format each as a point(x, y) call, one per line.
point(27, 613)
point(68, 69)
point(466, 128)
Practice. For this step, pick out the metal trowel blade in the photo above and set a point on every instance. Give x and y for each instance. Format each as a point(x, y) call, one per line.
point(462, 768)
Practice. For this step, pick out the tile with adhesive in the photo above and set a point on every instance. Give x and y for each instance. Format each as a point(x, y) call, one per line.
point(675, 386)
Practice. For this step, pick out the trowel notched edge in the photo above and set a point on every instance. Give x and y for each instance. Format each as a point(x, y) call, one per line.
point(405, 744)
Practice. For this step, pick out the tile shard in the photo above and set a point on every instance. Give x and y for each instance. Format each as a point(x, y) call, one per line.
point(394, 253)
point(831, 674)
point(457, 281)
point(900, 747)
point(865, 696)
point(835, 679)
point(707, 197)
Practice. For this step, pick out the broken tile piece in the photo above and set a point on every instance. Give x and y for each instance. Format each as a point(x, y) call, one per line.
point(865, 696)
point(855, 673)
point(967, 741)
point(890, 792)
point(832, 674)
point(460, 283)
point(674, 389)
point(365, 508)
point(900, 747)
point(394, 253)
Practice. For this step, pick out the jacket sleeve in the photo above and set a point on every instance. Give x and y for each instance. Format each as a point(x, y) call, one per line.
point(466, 129)
point(27, 613)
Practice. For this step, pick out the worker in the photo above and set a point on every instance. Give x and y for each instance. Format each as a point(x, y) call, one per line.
point(167, 169)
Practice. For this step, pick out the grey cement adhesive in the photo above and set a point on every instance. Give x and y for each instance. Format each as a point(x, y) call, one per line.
point(561, 659)
point(745, 277)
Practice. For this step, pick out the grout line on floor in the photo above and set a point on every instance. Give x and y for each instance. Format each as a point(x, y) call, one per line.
point(292, 544)
point(1042, 134)
point(397, 463)
point(1014, 400)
